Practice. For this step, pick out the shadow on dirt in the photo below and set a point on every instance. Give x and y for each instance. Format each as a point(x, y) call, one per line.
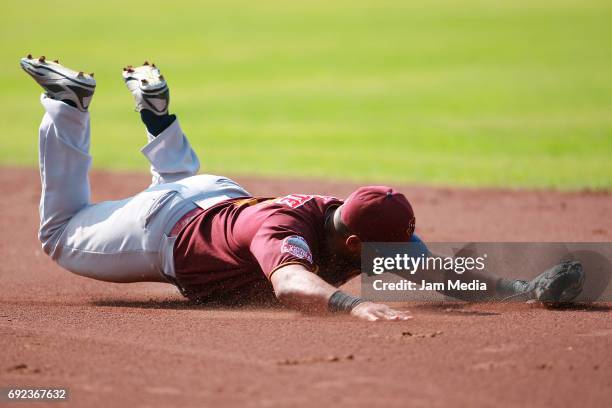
point(580, 307)
point(497, 308)
point(179, 304)
point(458, 308)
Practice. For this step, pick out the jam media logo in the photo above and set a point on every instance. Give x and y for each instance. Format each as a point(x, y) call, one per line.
point(298, 247)
point(408, 269)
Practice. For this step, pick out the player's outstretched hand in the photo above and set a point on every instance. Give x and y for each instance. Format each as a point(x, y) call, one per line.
point(373, 312)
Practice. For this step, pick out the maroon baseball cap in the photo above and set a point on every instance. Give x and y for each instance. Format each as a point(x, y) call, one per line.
point(378, 214)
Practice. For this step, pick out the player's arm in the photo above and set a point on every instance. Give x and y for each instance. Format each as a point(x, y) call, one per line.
point(298, 288)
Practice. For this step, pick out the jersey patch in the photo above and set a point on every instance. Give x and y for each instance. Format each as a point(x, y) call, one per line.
point(298, 247)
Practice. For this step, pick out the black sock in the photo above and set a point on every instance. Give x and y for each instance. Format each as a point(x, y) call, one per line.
point(155, 123)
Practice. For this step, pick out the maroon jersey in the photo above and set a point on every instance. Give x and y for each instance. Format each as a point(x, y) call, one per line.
point(228, 252)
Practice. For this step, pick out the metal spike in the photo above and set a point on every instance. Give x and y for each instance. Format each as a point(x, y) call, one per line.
point(144, 81)
point(161, 77)
point(124, 69)
point(145, 63)
point(80, 75)
point(153, 65)
point(29, 56)
point(56, 61)
point(91, 75)
point(41, 58)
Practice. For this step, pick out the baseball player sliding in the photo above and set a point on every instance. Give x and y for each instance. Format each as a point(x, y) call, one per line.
point(206, 234)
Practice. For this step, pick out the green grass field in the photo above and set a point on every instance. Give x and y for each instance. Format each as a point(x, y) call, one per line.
point(477, 93)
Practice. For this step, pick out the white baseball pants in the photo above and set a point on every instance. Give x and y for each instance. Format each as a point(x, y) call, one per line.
point(125, 240)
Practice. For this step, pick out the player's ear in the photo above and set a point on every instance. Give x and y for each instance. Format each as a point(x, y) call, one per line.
point(353, 243)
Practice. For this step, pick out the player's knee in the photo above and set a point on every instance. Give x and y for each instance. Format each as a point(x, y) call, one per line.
point(46, 245)
point(48, 240)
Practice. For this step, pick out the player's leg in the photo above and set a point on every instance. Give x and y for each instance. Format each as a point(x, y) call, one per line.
point(168, 150)
point(115, 241)
point(63, 144)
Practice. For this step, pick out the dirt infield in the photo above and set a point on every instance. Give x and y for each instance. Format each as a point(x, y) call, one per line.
point(143, 345)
